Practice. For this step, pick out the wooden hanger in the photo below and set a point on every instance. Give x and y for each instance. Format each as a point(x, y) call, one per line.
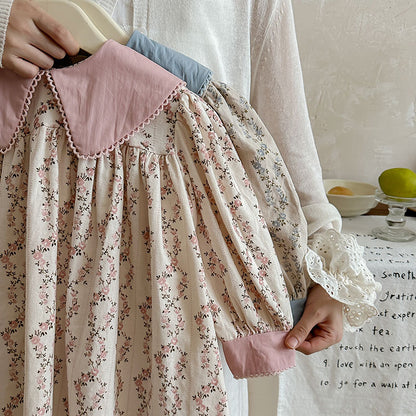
point(103, 21)
point(76, 21)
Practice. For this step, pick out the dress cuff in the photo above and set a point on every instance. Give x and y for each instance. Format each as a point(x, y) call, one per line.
point(5, 7)
point(321, 216)
point(258, 355)
point(335, 261)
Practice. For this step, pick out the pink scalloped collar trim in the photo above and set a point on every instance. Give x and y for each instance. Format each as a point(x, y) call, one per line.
point(103, 99)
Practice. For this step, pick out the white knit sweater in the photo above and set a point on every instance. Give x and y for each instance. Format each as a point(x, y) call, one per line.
point(251, 45)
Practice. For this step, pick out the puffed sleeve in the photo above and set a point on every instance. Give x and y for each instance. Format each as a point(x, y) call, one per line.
point(5, 7)
point(241, 277)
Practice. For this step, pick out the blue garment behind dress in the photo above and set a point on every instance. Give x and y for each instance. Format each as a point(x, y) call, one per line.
point(195, 75)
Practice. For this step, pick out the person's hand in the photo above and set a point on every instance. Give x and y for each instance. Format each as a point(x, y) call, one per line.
point(321, 324)
point(33, 39)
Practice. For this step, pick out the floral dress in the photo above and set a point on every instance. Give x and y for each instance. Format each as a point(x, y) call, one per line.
point(137, 233)
point(132, 240)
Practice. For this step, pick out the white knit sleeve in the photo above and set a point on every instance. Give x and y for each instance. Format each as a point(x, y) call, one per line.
point(277, 94)
point(5, 7)
point(334, 260)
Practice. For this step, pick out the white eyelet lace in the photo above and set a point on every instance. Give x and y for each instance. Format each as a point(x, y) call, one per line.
point(335, 261)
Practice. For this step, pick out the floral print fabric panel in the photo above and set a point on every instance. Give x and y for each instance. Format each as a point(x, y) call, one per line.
point(270, 179)
point(118, 274)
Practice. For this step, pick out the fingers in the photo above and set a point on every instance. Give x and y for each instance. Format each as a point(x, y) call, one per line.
point(321, 324)
point(26, 59)
point(33, 39)
point(61, 36)
point(50, 48)
point(319, 340)
point(21, 67)
point(300, 332)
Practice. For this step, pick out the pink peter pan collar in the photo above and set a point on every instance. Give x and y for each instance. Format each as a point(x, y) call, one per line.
point(103, 99)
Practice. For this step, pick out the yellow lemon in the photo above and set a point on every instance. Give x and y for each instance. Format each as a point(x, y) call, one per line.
point(399, 182)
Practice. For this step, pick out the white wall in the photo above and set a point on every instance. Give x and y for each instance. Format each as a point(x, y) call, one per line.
point(359, 64)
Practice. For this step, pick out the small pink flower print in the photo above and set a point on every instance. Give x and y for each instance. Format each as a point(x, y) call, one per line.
point(35, 340)
point(37, 255)
point(138, 382)
point(44, 326)
point(214, 307)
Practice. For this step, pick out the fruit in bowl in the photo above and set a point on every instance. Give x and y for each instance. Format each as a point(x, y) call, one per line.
point(351, 198)
point(399, 182)
point(340, 190)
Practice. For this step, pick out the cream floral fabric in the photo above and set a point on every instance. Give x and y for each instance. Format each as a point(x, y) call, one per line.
point(118, 274)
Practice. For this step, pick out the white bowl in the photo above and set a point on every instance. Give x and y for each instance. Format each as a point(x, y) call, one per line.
point(351, 206)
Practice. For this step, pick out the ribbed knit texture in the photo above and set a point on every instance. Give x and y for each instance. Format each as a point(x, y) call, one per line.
point(5, 6)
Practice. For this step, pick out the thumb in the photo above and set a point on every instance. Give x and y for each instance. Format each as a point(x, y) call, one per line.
point(299, 332)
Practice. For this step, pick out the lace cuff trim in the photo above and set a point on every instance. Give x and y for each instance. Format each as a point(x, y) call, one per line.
point(336, 262)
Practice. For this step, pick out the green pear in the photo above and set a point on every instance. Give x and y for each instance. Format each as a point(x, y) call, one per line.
point(399, 182)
